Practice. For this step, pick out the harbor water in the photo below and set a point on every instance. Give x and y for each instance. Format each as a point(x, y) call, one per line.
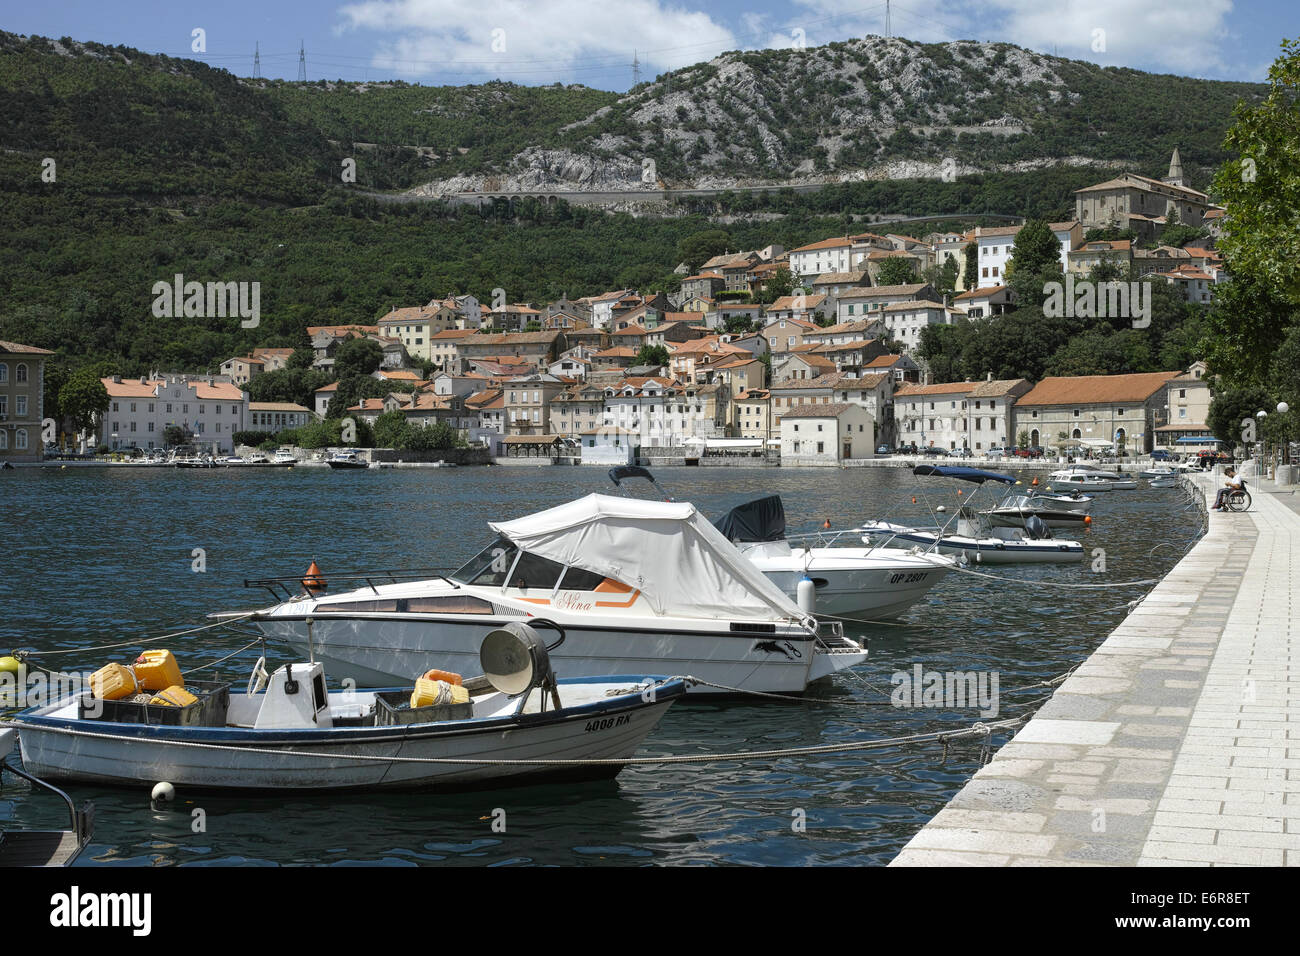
point(98, 556)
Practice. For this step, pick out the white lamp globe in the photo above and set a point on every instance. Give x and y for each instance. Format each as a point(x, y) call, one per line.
point(1283, 408)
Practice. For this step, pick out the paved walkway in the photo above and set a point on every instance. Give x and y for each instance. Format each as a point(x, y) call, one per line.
point(1176, 743)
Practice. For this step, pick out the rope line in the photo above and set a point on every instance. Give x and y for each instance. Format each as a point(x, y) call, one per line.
point(23, 655)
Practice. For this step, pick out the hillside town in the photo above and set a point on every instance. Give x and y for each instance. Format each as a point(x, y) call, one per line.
point(825, 374)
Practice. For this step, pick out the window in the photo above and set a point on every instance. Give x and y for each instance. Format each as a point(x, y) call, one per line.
point(821, 447)
point(22, 379)
point(20, 436)
point(151, 426)
point(4, 373)
point(20, 405)
point(115, 408)
point(1120, 411)
point(151, 406)
point(169, 408)
point(4, 440)
point(133, 406)
point(1076, 413)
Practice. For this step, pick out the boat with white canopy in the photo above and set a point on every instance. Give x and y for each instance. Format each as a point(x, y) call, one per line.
point(639, 587)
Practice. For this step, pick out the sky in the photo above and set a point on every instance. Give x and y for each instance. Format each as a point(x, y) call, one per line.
point(595, 42)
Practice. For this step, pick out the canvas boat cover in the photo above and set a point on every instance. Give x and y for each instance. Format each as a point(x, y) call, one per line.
point(668, 550)
point(762, 519)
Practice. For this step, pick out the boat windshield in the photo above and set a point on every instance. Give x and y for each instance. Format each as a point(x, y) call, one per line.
point(490, 566)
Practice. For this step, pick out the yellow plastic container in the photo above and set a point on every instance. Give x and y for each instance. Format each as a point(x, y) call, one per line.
point(157, 670)
point(113, 682)
point(174, 697)
point(429, 692)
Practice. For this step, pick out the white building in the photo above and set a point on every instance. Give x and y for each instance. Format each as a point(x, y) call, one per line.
point(996, 247)
point(826, 434)
point(663, 413)
point(974, 415)
point(904, 321)
point(814, 259)
point(140, 410)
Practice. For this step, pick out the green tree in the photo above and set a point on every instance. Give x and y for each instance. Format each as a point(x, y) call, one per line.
point(1261, 232)
point(700, 247)
point(651, 355)
point(301, 358)
point(357, 357)
point(1231, 408)
point(392, 430)
point(174, 435)
point(897, 270)
point(83, 398)
point(970, 276)
point(1036, 248)
point(781, 283)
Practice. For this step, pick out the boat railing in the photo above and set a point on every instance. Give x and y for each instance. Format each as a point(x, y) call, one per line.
point(283, 587)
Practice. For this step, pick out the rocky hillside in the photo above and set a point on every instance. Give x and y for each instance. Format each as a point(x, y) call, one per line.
point(872, 108)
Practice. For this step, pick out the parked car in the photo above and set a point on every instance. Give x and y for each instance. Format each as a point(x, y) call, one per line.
point(1161, 455)
point(884, 450)
point(934, 451)
point(961, 453)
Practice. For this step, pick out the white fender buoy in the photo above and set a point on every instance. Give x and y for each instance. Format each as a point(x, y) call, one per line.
point(163, 792)
point(806, 594)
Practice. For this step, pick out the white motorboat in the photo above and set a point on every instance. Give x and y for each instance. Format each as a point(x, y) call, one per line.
point(972, 535)
point(1072, 502)
point(1088, 478)
point(851, 581)
point(519, 726)
point(1015, 510)
point(284, 456)
point(638, 586)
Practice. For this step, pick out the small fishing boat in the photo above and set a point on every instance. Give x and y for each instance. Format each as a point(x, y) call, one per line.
point(347, 460)
point(972, 534)
point(20, 847)
point(517, 725)
point(1072, 502)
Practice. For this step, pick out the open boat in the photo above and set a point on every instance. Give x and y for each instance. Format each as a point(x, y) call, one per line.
point(1015, 510)
point(297, 735)
point(639, 587)
point(973, 535)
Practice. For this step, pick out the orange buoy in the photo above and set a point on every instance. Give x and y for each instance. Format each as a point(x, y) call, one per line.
point(958, 492)
point(1087, 519)
point(913, 499)
point(1034, 482)
point(827, 524)
point(313, 582)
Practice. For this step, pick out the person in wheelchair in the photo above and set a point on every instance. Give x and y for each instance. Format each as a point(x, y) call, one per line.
point(1233, 483)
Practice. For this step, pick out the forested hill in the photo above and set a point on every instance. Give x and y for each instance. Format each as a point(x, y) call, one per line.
point(122, 122)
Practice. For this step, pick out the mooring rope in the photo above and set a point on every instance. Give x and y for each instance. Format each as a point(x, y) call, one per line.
point(23, 655)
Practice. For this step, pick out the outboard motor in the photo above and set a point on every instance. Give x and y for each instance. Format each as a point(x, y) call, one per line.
point(1036, 528)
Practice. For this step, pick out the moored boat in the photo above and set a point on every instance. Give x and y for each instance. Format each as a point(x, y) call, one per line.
point(517, 725)
point(639, 587)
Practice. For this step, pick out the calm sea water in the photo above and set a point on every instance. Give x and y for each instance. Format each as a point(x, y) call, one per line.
point(97, 556)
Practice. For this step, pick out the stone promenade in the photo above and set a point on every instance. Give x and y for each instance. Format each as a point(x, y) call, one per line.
point(1177, 743)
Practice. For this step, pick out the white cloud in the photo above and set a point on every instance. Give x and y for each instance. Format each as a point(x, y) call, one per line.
point(1182, 36)
point(536, 41)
